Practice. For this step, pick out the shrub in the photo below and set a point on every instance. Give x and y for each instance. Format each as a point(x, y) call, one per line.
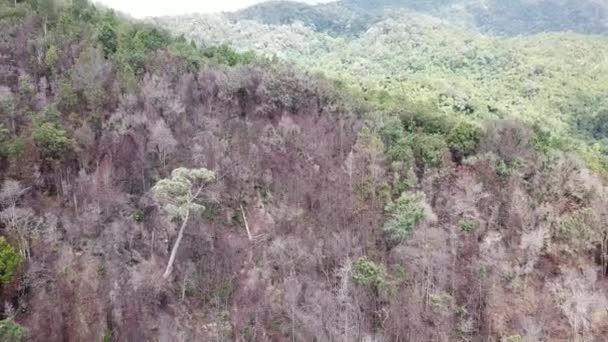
point(138, 216)
point(11, 147)
point(514, 338)
point(67, 97)
point(9, 261)
point(51, 58)
point(368, 273)
point(11, 331)
point(464, 138)
point(468, 225)
point(430, 148)
point(404, 215)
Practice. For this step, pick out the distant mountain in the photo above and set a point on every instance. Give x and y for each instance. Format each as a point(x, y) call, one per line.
point(524, 16)
point(497, 16)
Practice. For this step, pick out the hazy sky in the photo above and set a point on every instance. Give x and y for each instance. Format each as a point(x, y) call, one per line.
point(144, 8)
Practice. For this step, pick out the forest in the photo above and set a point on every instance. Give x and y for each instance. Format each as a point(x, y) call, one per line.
point(386, 170)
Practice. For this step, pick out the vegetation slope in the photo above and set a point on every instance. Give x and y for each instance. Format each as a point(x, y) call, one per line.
point(158, 189)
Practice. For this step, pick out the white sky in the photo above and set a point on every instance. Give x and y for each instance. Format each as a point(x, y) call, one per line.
point(146, 8)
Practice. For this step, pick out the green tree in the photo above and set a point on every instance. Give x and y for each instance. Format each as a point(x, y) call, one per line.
point(404, 215)
point(368, 273)
point(178, 196)
point(51, 58)
point(181, 48)
point(107, 36)
point(464, 138)
point(52, 138)
point(429, 148)
point(132, 52)
point(11, 331)
point(83, 10)
point(9, 262)
point(153, 38)
point(67, 97)
point(48, 10)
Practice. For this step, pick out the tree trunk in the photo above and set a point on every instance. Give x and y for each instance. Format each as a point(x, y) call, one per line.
point(180, 235)
point(246, 224)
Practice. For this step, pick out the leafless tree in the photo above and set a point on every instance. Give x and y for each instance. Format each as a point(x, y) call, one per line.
point(162, 141)
point(20, 222)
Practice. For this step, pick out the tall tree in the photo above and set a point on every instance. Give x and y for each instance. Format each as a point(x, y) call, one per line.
point(47, 9)
point(178, 196)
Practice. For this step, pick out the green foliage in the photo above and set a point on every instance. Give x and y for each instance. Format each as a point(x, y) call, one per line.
point(138, 216)
point(506, 169)
point(404, 215)
point(176, 194)
point(107, 36)
point(52, 138)
point(595, 125)
point(51, 57)
point(107, 335)
point(11, 147)
point(10, 331)
point(464, 138)
point(67, 97)
point(189, 52)
point(468, 225)
point(152, 38)
point(9, 262)
point(132, 50)
point(514, 338)
point(83, 10)
point(8, 12)
point(426, 117)
point(428, 147)
point(367, 273)
point(391, 131)
point(224, 54)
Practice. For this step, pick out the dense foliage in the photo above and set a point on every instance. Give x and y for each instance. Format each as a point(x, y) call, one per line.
point(10, 260)
point(11, 331)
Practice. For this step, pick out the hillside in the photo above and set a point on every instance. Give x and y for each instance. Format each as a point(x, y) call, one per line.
point(555, 81)
point(154, 188)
